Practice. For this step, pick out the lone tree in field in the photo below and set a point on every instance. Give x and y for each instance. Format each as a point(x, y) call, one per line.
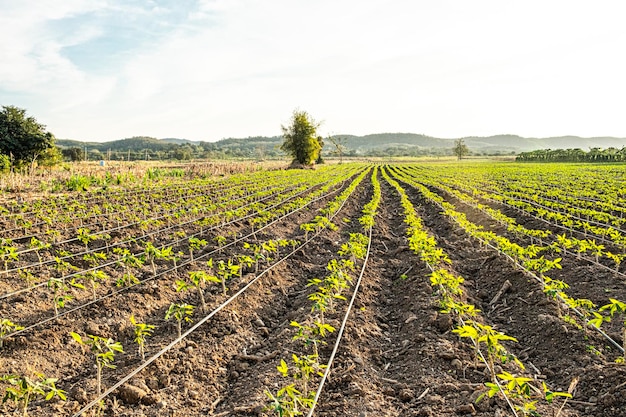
point(301, 140)
point(22, 137)
point(460, 149)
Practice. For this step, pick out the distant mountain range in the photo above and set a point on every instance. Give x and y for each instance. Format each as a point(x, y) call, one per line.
point(380, 143)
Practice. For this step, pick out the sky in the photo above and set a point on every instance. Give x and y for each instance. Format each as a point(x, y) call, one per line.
point(101, 70)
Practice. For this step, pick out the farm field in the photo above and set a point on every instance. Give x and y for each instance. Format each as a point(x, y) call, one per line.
point(431, 289)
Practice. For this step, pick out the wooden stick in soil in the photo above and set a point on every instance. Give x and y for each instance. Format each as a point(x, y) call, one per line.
point(505, 287)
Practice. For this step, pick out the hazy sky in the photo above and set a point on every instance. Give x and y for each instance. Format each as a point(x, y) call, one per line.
point(209, 69)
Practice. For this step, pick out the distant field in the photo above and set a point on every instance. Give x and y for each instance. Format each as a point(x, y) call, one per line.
point(418, 285)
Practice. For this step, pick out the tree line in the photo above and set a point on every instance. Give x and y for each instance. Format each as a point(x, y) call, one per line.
point(25, 144)
point(574, 155)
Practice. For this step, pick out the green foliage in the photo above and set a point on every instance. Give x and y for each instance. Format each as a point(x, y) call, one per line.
point(225, 270)
point(8, 252)
point(312, 334)
point(195, 244)
point(198, 279)
point(5, 163)
point(301, 140)
point(22, 136)
point(60, 292)
point(73, 154)
point(460, 149)
point(141, 331)
point(289, 402)
point(22, 390)
point(104, 350)
point(180, 312)
point(78, 182)
point(491, 338)
point(6, 327)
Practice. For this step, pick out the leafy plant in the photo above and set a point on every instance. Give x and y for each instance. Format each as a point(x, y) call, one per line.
point(23, 390)
point(491, 338)
point(93, 277)
point(288, 401)
point(142, 331)
point(8, 253)
point(180, 312)
point(312, 334)
point(104, 353)
point(6, 327)
point(84, 236)
point(94, 257)
point(221, 241)
point(38, 245)
point(194, 245)
point(617, 307)
point(225, 270)
point(60, 292)
point(198, 279)
point(128, 260)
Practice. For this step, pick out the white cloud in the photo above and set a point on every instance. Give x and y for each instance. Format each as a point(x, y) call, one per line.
point(238, 68)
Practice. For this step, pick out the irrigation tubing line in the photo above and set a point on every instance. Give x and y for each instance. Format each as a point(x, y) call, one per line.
point(117, 228)
point(539, 280)
point(341, 329)
point(482, 357)
point(200, 323)
point(130, 240)
point(162, 273)
point(479, 351)
point(583, 232)
point(577, 254)
point(185, 334)
point(199, 193)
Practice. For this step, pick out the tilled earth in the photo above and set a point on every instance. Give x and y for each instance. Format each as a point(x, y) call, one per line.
point(398, 355)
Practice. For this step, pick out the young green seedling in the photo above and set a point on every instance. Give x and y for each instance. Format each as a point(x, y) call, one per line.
point(288, 401)
point(60, 294)
point(27, 276)
point(180, 312)
point(103, 350)
point(93, 277)
point(152, 253)
point(617, 307)
point(198, 279)
point(84, 235)
point(128, 260)
point(38, 245)
point(312, 334)
point(307, 227)
point(258, 255)
point(63, 266)
point(305, 367)
point(225, 270)
point(244, 260)
point(8, 252)
point(23, 390)
point(93, 258)
point(142, 331)
point(221, 241)
point(194, 245)
point(491, 338)
point(6, 327)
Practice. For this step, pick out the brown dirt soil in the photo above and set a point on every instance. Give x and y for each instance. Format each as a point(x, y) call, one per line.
point(398, 356)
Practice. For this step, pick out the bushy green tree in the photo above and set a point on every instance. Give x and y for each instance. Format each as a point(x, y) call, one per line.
point(460, 149)
point(73, 154)
point(22, 137)
point(301, 140)
point(5, 163)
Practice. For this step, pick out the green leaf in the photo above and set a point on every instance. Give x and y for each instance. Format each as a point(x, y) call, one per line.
point(77, 337)
point(283, 368)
